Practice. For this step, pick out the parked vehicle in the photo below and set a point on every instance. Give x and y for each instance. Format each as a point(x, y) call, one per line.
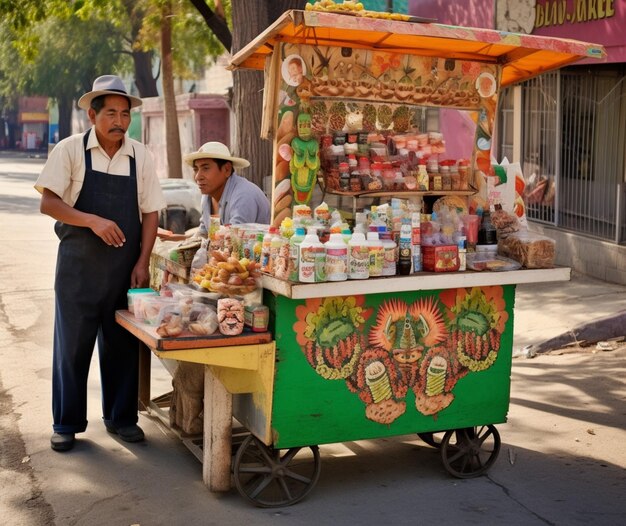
point(183, 205)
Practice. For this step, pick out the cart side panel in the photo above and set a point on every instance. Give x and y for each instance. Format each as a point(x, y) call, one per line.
point(357, 367)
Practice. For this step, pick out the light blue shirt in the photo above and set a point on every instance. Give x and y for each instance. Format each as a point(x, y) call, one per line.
point(242, 202)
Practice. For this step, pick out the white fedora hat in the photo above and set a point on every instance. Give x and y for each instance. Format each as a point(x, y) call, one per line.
point(107, 85)
point(215, 150)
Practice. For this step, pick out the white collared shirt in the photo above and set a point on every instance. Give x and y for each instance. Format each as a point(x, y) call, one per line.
point(64, 171)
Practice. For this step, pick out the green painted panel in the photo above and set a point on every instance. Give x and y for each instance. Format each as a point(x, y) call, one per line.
point(383, 365)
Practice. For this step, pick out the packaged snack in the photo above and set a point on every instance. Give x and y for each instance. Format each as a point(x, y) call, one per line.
point(202, 319)
point(530, 249)
point(485, 261)
point(151, 308)
point(170, 321)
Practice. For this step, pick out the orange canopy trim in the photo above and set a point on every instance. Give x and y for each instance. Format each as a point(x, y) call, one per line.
point(521, 56)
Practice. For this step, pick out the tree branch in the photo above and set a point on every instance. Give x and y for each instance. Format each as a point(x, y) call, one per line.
point(215, 23)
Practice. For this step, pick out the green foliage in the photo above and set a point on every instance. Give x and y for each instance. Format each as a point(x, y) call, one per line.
point(115, 27)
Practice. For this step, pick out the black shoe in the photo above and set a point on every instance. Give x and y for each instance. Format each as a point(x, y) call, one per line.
point(127, 433)
point(62, 441)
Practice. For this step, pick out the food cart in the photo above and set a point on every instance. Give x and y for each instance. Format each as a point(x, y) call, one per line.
point(429, 353)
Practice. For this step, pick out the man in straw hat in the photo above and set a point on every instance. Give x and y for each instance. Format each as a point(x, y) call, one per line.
point(235, 199)
point(101, 188)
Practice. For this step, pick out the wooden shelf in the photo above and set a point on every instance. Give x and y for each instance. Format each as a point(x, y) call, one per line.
point(186, 340)
point(420, 281)
point(401, 193)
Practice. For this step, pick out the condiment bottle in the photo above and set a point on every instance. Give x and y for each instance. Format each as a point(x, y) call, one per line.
point(389, 254)
point(376, 254)
point(404, 258)
point(487, 232)
point(311, 267)
point(294, 252)
point(358, 257)
point(336, 258)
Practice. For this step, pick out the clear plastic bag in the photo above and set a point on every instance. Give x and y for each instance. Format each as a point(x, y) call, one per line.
point(202, 319)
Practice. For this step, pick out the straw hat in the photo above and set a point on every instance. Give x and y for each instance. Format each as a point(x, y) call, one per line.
point(215, 150)
point(107, 85)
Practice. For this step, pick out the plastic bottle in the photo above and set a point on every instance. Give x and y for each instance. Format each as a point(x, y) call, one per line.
point(404, 258)
point(312, 259)
point(416, 241)
point(376, 253)
point(358, 257)
point(487, 232)
point(462, 244)
point(294, 252)
point(336, 258)
point(389, 253)
point(266, 261)
point(275, 244)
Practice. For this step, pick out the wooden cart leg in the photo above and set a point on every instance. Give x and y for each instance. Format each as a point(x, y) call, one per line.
point(216, 450)
point(145, 355)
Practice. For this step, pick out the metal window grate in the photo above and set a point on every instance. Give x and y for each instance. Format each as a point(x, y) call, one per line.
point(574, 139)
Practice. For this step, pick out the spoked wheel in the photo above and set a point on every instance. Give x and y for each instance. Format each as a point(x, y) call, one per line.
point(471, 451)
point(270, 479)
point(432, 439)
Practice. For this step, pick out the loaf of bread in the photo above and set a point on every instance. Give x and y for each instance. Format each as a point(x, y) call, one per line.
point(530, 249)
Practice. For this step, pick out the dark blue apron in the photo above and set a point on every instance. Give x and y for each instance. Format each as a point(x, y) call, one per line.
point(91, 283)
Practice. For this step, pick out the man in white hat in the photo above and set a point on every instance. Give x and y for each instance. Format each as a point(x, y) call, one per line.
point(234, 198)
point(101, 188)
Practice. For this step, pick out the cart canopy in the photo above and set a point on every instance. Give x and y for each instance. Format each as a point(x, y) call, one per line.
point(521, 56)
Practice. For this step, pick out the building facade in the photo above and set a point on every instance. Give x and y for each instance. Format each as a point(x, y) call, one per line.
point(567, 128)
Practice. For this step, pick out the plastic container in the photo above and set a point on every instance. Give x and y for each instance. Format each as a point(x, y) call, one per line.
point(133, 294)
point(336, 258)
point(257, 317)
point(358, 257)
point(376, 254)
point(266, 259)
point(312, 261)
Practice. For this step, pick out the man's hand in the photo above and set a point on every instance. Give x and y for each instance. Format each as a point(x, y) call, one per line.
point(107, 230)
point(140, 277)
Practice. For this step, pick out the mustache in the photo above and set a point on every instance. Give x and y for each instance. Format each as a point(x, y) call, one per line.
point(117, 130)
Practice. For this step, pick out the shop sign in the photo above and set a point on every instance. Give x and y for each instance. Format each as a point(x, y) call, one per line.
point(33, 116)
point(563, 12)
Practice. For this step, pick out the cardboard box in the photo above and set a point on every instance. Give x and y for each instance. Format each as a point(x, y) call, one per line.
point(440, 258)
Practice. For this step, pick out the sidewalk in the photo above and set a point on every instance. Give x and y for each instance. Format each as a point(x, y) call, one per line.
point(546, 314)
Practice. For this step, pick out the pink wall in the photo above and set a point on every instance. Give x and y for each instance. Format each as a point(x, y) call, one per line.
point(468, 13)
point(597, 21)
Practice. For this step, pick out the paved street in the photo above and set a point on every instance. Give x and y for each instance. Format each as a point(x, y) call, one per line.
point(562, 462)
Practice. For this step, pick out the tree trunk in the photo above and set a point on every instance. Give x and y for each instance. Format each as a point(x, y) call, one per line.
point(65, 117)
point(172, 137)
point(145, 82)
point(250, 19)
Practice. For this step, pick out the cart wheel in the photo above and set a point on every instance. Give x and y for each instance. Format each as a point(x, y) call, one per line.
point(270, 480)
point(432, 439)
point(471, 451)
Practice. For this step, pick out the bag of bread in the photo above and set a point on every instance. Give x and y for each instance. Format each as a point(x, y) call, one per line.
point(528, 248)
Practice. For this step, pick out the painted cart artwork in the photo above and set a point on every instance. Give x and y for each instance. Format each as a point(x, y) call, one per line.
point(425, 346)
